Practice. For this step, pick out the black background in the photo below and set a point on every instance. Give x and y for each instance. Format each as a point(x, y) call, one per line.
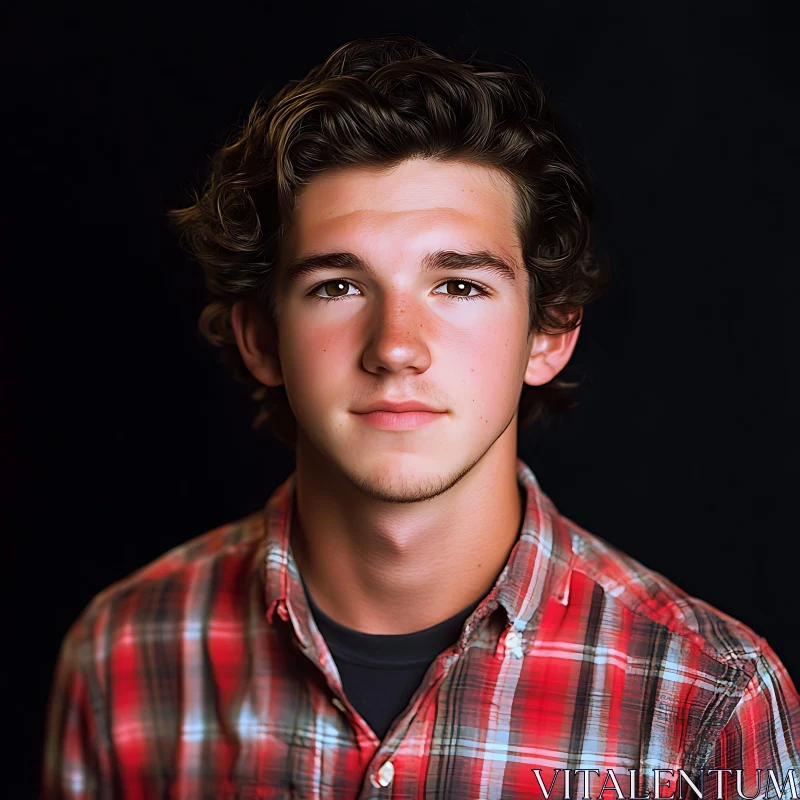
point(126, 438)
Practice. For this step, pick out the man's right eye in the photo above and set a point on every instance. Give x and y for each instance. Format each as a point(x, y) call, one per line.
point(332, 289)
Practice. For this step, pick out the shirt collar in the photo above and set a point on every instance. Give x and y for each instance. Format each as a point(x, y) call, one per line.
point(538, 568)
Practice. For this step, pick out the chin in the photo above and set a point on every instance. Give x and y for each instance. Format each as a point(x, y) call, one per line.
point(394, 468)
point(397, 476)
point(408, 486)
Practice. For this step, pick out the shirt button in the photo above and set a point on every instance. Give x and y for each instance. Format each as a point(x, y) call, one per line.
point(384, 775)
point(514, 644)
point(339, 704)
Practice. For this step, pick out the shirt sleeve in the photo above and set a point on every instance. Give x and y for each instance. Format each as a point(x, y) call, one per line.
point(72, 759)
point(763, 734)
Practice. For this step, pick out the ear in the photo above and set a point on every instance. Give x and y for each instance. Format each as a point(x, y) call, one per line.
point(549, 354)
point(257, 340)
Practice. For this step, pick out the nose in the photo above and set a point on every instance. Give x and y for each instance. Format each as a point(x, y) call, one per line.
point(397, 341)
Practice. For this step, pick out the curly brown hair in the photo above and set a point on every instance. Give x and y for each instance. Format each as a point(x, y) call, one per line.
point(378, 102)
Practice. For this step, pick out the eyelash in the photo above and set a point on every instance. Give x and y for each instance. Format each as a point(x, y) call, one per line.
point(483, 289)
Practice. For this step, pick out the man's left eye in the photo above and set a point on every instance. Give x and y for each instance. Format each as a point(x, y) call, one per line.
point(462, 289)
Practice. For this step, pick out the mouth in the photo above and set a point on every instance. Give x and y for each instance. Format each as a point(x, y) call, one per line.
point(399, 420)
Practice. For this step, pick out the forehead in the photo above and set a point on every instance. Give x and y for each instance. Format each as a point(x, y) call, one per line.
point(466, 201)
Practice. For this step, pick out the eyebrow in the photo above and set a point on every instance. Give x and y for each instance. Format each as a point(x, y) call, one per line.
point(432, 262)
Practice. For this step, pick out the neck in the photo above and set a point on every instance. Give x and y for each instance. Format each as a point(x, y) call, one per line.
point(393, 568)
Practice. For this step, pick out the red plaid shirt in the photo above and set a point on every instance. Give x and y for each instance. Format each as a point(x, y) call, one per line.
point(203, 675)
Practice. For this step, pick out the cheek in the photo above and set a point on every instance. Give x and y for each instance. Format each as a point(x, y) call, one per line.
point(489, 361)
point(311, 359)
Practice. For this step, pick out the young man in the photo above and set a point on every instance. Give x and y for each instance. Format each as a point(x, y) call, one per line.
point(398, 253)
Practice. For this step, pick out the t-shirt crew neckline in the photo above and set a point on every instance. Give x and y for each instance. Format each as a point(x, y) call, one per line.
point(388, 651)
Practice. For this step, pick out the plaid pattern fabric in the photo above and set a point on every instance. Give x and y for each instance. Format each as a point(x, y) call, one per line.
point(203, 675)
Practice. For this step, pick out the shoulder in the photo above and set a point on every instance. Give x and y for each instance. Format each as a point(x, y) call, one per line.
point(708, 685)
point(656, 602)
point(210, 577)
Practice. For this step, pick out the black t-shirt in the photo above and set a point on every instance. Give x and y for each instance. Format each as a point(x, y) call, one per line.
point(381, 672)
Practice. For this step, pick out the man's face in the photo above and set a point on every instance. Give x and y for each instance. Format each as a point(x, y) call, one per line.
point(404, 329)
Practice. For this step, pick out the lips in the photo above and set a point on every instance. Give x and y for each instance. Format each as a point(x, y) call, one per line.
point(399, 421)
point(398, 407)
